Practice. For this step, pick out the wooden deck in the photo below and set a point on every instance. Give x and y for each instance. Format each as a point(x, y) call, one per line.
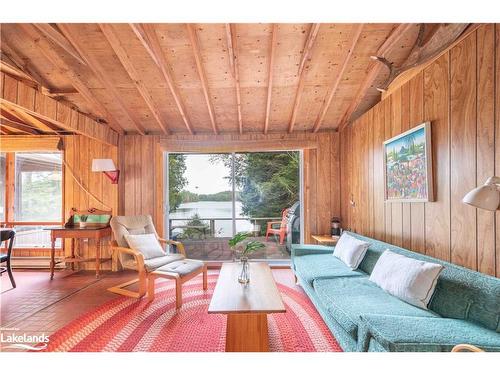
point(217, 249)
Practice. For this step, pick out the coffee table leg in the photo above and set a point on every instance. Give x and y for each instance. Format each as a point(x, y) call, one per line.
point(247, 333)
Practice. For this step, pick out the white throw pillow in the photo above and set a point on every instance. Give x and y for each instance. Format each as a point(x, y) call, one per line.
point(350, 250)
point(147, 244)
point(408, 279)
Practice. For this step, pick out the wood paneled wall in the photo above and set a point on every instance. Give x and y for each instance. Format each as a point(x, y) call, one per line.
point(78, 153)
point(142, 170)
point(459, 94)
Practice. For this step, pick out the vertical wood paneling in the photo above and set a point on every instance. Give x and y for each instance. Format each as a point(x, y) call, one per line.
point(378, 175)
point(463, 151)
point(485, 160)
point(417, 210)
point(397, 208)
point(405, 125)
point(388, 134)
point(496, 78)
point(436, 110)
point(459, 94)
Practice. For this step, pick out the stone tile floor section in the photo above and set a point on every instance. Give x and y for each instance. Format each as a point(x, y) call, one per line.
point(39, 305)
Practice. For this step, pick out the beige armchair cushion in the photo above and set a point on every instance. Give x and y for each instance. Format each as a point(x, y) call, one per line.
point(155, 263)
point(125, 225)
point(146, 244)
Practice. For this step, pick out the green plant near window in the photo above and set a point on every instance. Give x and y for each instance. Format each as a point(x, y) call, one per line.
point(237, 244)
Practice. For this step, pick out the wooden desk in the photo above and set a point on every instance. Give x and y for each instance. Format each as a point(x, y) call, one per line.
point(78, 233)
point(246, 306)
point(325, 239)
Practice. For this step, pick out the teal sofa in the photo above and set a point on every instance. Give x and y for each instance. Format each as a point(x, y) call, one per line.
point(465, 307)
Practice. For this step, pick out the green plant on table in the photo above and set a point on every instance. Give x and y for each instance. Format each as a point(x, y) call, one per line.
point(84, 218)
point(239, 244)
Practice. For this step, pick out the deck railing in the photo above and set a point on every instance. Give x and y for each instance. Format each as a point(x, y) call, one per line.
point(210, 229)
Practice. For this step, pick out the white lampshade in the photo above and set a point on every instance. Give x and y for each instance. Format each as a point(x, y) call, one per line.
point(103, 165)
point(486, 197)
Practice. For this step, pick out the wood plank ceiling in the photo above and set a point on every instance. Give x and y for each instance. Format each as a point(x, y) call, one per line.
point(210, 78)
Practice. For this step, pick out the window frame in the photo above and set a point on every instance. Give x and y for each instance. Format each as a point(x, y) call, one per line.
point(10, 196)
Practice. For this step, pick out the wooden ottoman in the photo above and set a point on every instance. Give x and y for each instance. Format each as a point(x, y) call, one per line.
point(180, 271)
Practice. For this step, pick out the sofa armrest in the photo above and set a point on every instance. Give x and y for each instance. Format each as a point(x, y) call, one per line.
point(307, 249)
point(427, 334)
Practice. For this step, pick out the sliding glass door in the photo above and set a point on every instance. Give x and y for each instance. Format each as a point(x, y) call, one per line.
point(213, 196)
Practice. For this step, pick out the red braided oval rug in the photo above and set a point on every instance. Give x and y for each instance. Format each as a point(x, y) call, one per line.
point(126, 324)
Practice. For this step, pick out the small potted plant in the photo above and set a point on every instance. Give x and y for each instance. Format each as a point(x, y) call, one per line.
point(240, 244)
point(83, 221)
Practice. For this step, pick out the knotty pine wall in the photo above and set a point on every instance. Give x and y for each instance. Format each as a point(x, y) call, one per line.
point(142, 180)
point(459, 94)
point(79, 151)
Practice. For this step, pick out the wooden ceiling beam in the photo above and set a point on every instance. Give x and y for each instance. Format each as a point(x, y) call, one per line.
point(147, 36)
point(195, 45)
point(313, 33)
point(233, 61)
point(23, 116)
point(26, 129)
point(274, 33)
point(101, 74)
point(65, 70)
point(346, 60)
point(123, 56)
point(59, 39)
point(373, 71)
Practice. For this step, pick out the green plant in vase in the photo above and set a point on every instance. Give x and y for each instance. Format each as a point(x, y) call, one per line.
point(239, 244)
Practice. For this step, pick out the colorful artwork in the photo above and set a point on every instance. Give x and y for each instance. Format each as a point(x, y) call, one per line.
point(408, 175)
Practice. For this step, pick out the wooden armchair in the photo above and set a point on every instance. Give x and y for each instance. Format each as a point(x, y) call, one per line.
point(132, 259)
point(138, 259)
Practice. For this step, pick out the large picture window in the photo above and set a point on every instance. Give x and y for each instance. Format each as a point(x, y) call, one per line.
point(213, 196)
point(31, 196)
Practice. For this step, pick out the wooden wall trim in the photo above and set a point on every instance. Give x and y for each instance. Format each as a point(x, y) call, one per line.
point(458, 94)
point(30, 143)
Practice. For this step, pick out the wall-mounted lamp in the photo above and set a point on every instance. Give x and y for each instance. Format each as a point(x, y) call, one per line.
point(107, 166)
point(486, 196)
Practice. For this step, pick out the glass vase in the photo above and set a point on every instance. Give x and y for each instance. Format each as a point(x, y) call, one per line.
point(244, 277)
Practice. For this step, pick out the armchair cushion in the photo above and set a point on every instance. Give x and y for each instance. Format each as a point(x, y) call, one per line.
point(154, 263)
point(182, 267)
point(126, 225)
point(146, 244)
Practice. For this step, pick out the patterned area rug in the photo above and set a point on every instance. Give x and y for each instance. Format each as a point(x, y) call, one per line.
point(126, 325)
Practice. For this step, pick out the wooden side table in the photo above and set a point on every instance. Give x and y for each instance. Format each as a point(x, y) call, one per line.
point(325, 239)
point(74, 233)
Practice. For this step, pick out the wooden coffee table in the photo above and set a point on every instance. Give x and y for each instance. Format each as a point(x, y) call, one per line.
point(246, 306)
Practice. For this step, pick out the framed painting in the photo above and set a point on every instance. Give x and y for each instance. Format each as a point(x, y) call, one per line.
point(408, 166)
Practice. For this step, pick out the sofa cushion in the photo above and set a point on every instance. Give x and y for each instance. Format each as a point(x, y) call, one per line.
point(460, 293)
point(350, 250)
point(320, 266)
point(347, 298)
point(154, 263)
point(408, 279)
point(405, 333)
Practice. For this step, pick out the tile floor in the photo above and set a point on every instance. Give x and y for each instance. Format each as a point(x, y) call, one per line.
point(39, 305)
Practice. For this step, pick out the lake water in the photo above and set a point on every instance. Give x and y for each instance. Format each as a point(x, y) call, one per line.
point(220, 211)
